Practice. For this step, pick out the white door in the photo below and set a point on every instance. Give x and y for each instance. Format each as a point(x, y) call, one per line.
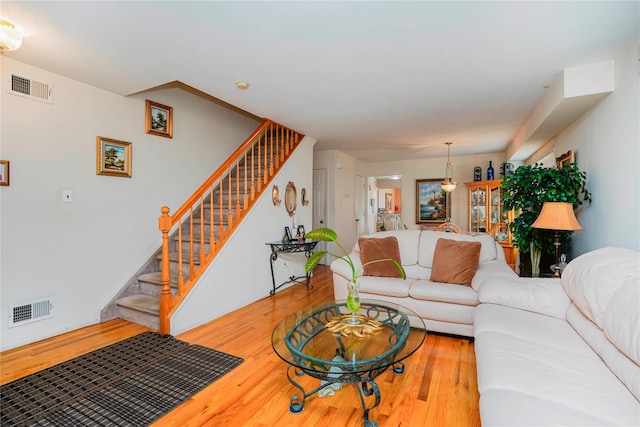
point(361, 206)
point(320, 205)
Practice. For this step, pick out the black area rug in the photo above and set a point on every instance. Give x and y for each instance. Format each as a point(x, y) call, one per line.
point(131, 383)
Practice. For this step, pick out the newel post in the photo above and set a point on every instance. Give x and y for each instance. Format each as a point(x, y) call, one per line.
point(164, 224)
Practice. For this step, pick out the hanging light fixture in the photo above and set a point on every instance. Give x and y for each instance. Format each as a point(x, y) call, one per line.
point(10, 39)
point(448, 184)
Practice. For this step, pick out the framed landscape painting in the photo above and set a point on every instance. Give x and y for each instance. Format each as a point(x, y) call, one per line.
point(159, 119)
point(4, 172)
point(113, 157)
point(432, 203)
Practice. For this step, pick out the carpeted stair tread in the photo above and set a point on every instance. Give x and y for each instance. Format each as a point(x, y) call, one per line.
point(173, 256)
point(156, 278)
point(141, 302)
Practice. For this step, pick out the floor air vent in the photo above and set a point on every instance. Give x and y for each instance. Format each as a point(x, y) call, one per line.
point(21, 314)
point(30, 88)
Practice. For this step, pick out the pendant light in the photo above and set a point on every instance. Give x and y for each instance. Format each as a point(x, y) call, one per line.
point(448, 184)
point(10, 39)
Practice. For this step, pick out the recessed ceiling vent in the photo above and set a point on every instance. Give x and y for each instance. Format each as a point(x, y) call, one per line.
point(30, 88)
point(31, 311)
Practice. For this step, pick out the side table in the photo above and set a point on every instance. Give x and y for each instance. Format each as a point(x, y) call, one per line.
point(307, 246)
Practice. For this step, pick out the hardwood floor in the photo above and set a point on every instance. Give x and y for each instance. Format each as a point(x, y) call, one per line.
point(438, 387)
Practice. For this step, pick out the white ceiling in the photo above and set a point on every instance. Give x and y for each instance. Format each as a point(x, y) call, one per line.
point(376, 80)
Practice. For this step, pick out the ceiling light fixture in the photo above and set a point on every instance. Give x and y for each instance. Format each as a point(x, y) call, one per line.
point(10, 39)
point(242, 85)
point(448, 184)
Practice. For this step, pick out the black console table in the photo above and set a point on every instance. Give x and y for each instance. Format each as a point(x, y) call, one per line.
point(306, 246)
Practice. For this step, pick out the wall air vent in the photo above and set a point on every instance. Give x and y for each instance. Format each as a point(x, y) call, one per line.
point(30, 88)
point(31, 311)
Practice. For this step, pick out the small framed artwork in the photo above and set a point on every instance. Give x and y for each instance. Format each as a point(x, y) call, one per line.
point(301, 231)
point(388, 198)
point(304, 197)
point(113, 157)
point(159, 119)
point(566, 159)
point(287, 232)
point(4, 172)
point(432, 202)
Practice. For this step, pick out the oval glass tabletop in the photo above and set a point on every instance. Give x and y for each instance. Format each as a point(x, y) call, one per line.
point(319, 338)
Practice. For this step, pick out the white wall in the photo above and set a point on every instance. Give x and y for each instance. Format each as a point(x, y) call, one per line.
point(341, 175)
point(241, 273)
point(81, 253)
point(606, 142)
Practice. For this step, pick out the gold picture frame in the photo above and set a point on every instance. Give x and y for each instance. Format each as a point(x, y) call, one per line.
point(433, 204)
point(566, 159)
point(4, 172)
point(159, 119)
point(113, 157)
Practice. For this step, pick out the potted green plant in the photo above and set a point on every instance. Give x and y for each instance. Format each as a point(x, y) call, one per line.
point(525, 191)
point(328, 235)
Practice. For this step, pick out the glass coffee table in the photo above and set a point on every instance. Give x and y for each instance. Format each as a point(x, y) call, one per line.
point(319, 342)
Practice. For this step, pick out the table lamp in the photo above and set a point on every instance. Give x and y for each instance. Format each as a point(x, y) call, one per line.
point(557, 216)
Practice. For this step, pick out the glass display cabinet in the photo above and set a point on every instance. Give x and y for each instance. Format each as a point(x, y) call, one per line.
point(486, 214)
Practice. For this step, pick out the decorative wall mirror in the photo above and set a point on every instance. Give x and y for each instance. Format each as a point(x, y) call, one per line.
point(291, 198)
point(275, 196)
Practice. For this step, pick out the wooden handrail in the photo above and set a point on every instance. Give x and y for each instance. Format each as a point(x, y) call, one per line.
point(265, 152)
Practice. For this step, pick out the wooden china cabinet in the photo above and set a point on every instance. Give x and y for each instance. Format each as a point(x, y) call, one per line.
point(487, 215)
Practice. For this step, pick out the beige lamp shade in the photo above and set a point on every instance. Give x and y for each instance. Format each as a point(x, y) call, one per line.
point(557, 216)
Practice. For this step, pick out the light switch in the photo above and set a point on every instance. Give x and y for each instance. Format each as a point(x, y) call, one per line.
point(67, 196)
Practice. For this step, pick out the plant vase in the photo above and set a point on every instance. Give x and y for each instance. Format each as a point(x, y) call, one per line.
point(536, 253)
point(353, 304)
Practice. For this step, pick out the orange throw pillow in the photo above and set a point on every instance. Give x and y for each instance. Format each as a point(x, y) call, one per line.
point(455, 261)
point(372, 249)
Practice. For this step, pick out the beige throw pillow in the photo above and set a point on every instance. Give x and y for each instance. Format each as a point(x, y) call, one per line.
point(455, 261)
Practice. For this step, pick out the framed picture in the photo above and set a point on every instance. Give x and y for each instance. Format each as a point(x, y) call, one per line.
point(388, 197)
point(432, 203)
point(4, 172)
point(287, 232)
point(301, 231)
point(113, 157)
point(159, 119)
point(566, 159)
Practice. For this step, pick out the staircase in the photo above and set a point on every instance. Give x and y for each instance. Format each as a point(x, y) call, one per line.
point(196, 232)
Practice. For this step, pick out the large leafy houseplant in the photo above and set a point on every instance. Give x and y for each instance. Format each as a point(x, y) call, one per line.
point(526, 190)
point(328, 235)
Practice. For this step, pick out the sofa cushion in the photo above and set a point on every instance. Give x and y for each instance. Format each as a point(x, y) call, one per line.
point(488, 271)
point(377, 249)
point(622, 319)
point(387, 286)
point(592, 279)
point(522, 352)
point(618, 362)
point(455, 261)
point(443, 312)
point(428, 240)
point(407, 242)
point(443, 292)
point(544, 296)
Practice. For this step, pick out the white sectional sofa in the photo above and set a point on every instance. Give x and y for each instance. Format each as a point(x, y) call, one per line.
point(562, 351)
point(444, 307)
